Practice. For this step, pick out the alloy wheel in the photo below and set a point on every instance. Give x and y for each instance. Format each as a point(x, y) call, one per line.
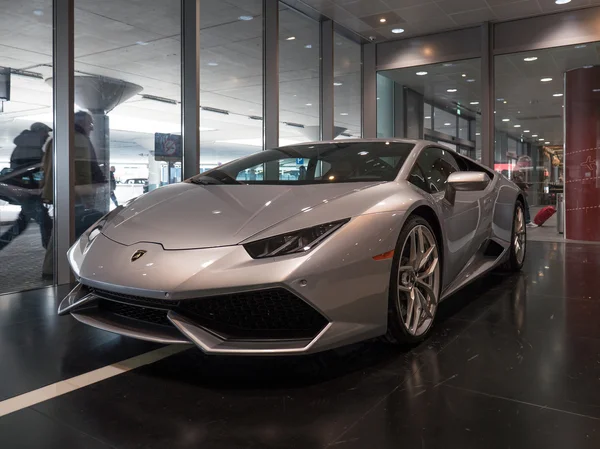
point(519, 238)
point(418, 280)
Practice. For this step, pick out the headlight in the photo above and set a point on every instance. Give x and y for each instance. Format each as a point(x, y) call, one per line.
point(294, 242)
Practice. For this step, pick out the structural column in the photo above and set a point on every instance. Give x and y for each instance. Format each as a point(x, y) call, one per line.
point(487, 95)
point(369, 91)
point(271, 81)
point(582, 154)
point(327, 75)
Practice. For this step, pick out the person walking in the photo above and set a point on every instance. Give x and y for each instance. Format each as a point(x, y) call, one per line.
point(113, 187)
point(27, 153)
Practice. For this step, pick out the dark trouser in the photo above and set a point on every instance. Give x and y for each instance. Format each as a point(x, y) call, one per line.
point(32, 210)
point(113, 197)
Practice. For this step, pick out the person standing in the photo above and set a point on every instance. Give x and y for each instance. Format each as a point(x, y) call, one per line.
point(113, 187)
point(27, 153)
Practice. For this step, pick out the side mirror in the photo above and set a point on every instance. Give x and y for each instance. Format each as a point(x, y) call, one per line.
point(465, 181)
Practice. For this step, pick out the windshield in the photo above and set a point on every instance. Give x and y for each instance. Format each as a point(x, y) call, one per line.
point(314, 164)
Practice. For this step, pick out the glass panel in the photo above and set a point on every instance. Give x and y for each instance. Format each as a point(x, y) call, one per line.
point(299, 72)
point(231, 68)
point(128, 81)
point(448, 92)
point(348, 88)
point(25, 123)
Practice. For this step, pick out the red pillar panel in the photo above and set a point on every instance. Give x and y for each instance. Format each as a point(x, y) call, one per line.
point(582, 154)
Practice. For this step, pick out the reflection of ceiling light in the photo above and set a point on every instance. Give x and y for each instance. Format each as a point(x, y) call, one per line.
point(337, 84)
point(308, 46)
point(343, 113)
point(470, 80)
point(545, 80)
point(534, 135)
point(506, 120)
point(540, 140)
point(596, 90)
point(580, 46)
point(308, 104)
point(245, 18)
point(38, 12)
point(291, 38)
point(562, 2)
point(557, 95)
point(363, 153)
point(428, 117)
point(547, 143)
point(464, 75)
point(478, 134)
point(142, 43)
point(398, 30)
point(448, 64)
point(500, 99)
point(421, 73)
point(517, 126)
point(530, 58)
point(451, 90)
point(383, 20)
point(526, 131)
point(474, 103)
point(447, 124)
point(213, 64)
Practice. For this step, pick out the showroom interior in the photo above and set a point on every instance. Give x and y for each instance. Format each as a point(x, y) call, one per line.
point(177, 88)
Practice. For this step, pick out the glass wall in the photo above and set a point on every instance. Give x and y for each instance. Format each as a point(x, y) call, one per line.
point(26, 108)
point(347, 72)
point(299, 74)
point(231, 80)
point(438, 102)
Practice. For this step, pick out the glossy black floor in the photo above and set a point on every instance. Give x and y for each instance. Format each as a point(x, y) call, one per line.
point(514, 362)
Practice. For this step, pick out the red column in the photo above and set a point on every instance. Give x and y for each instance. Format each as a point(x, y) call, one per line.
point(582, 154)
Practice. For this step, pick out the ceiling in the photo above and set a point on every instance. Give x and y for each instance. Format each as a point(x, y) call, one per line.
point(420, 17)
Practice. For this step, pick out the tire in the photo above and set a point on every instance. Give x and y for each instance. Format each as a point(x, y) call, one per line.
point(515, 259)
point(411, 272)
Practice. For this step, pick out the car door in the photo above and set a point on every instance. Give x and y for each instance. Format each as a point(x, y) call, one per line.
point(463, 219)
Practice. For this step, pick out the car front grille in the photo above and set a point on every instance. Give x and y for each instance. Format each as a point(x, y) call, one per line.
point(269, 314)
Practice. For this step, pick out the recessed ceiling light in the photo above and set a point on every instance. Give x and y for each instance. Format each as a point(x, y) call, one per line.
point(398, 30)
point(308, 46)
point(534, 135)
point(383, 20)
point(557, 95)
point(547, 143)
point(337, 84)
point(517, 126)
point(308, 104)
point(506, 120)
point(213, 64)
point(421, 73)
point(291, 38)
point(580, 46)
point(541, 140)
point(447, 124)
point(474, 103)
point(530, 58)
point(451, 90)
point(562, 2)
point(478, 134)
point(470, 80)
point(343, 113)
point(526, 131)
point(545, 80)
point(428, 117)
point(245, 18)
point(505, 101)
point(464, 75)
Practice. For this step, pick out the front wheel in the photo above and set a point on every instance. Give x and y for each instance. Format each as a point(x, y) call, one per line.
point(518, 241)
point(414, 283)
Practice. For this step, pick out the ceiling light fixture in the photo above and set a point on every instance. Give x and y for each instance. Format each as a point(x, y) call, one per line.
point(464, 75)
point(562, 2)
point(541, 140)
point(534, 135)
point(451, 90)
point(421, 73)
point(526, 131)
point(343, 113)
point(308, 104)
point(447, 124)
point(38, 12)
point(245, 18)
point(428, 117)
point(557, 95)
point(308, 46)
point(500, 99)
point(546, 80)
point(547, 143)
point(517, 126)
point(213, 64)
point(470, 80)
point(530, 58)
point(398, 30)
point(291, 38)
point(474, 103)
point(506, 120)
point(383, 20)
point(337, 84)
point(478, 134)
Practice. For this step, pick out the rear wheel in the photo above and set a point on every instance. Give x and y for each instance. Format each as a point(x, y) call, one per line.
point(414, 283)
point(518, 245)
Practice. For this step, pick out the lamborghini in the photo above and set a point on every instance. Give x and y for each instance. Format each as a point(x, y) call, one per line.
point(299, 249)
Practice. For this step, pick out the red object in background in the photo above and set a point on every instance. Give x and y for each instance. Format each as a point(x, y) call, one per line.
point(543, 215)
point(582, 151)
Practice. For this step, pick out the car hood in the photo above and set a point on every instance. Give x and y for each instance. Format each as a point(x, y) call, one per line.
point(188, 216)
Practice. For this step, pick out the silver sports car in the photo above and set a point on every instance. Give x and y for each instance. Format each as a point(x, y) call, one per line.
point(299, 249)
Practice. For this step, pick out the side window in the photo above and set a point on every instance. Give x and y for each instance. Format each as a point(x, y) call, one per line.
point(437, 165)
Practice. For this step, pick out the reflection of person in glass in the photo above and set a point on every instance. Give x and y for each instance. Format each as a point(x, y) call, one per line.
point(89, 178)
point(113, 186)
point(27, 153)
